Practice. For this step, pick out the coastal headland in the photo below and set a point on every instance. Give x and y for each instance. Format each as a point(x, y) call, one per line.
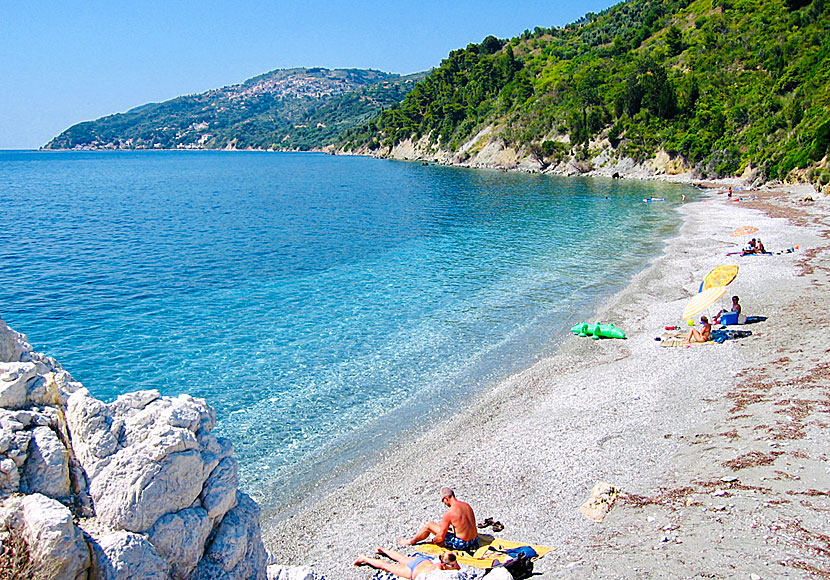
point(718, 451)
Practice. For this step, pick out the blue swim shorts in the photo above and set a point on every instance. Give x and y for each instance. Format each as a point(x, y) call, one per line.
point(453, 542)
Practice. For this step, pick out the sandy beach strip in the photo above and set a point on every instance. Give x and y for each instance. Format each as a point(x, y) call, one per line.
point(720, 451)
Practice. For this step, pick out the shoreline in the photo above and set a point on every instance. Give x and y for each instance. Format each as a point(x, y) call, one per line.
point(560, 421)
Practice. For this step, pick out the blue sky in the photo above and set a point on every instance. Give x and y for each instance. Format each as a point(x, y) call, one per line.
point(70, 61)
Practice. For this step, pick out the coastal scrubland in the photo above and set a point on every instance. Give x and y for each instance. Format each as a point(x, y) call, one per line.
point(723, 86)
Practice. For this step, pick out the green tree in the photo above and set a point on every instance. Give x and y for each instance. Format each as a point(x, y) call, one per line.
point(674, 41)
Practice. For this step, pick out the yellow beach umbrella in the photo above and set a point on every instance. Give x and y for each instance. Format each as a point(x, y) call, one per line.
point(744, 231)
point(719, 276)
point(703, 301)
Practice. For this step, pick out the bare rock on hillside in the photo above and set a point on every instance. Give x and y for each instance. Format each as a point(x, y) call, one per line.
point(155, 491)
point(46, 469)
point(145, 460)
point(236, 550)
point(56, 546)
point(126, 556)
point(180, 539)
point(13, 345)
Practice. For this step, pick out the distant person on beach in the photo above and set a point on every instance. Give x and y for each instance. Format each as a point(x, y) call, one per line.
point(408, 566)
point(457, 529)
point(696, 335)
point(750, 248)
point(736, 307)
point(759, 247)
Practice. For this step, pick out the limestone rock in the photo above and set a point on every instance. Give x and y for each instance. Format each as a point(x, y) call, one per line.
point(135, 489)
point(13, 345)
point(14, 378)
point(600, 502)
point(94, 433)
point(180, 538)
point(147, 456)
point(157, 490)
point(236, 551)
point(126, 556)
point(46, 470)
point(219, 494)
point(57, 548)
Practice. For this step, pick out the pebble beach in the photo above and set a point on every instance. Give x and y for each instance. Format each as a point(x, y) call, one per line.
point(718, 452)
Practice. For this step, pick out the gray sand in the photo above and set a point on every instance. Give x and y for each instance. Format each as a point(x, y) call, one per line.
point(657, 423)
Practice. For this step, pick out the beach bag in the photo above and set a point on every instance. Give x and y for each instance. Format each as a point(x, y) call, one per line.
point(520, 567)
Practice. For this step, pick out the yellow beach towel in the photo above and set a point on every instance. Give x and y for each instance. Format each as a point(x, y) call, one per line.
point(489, 549)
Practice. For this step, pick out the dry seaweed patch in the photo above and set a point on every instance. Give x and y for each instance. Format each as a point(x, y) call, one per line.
point(809, 492)
point(743, 399)
point(811, 541)
point(733, 485)
point(787, 431)
point(664, 497)
point(773, 208)
point(752, 459)
point(731, 434)
point(806, 567)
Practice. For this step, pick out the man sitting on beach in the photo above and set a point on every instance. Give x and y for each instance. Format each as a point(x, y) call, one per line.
point(459, 517)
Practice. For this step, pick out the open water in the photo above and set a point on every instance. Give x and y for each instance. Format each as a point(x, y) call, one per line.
point(323, 305)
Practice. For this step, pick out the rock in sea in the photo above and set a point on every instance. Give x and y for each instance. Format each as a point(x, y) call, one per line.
point(137, 488)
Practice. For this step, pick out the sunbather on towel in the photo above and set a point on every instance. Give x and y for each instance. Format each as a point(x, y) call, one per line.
point(408, 566)
point(696, 335)
point(459, 517)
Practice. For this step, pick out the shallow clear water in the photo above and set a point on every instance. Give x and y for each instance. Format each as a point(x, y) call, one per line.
point(322, 304)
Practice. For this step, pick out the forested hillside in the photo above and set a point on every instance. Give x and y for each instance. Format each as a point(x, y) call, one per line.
point(717, 84)
point(284, 109)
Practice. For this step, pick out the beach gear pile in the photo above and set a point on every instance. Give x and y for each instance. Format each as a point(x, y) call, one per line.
point(598, 330)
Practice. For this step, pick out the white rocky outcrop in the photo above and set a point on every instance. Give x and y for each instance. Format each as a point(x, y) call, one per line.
point(56, 546)
point(137, 488)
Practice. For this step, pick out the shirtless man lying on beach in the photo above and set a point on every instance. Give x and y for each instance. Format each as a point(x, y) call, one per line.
point(408, 566)
point(459, 517)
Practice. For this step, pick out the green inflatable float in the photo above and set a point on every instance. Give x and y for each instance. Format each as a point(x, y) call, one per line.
point(597, 331)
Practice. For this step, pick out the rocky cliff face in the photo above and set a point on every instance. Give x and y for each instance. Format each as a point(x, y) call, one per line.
point(137, 488)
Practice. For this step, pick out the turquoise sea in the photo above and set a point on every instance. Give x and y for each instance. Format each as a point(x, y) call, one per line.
point(323, 305)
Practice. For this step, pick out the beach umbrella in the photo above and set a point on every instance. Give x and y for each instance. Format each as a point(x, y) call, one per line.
point(744, 231)
point(703, 301)
point(719, 276)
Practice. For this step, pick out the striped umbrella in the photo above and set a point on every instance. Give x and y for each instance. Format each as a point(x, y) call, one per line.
point(702, 301)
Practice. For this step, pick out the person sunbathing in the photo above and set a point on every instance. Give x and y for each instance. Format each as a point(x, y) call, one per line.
point(459, 516)
point(408, 566)
point(696, 335)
